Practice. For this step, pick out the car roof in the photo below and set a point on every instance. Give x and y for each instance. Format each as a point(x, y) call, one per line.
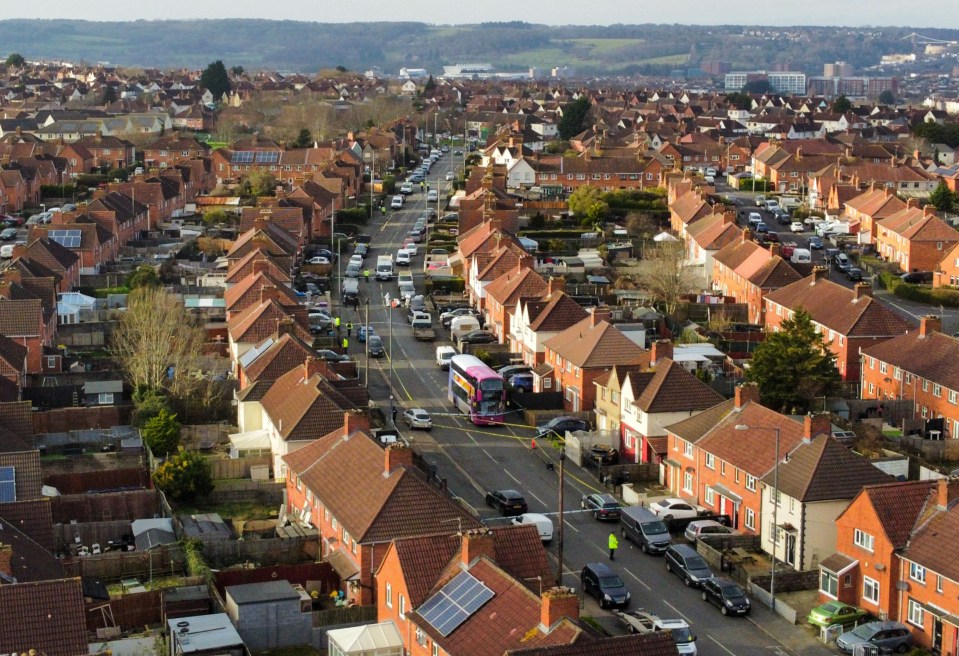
point(705, 522)
point(605, 498)
point(602, 569)
point(510, 493)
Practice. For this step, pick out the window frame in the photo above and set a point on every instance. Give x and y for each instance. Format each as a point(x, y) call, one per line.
point(863, 540)
point(870, 585)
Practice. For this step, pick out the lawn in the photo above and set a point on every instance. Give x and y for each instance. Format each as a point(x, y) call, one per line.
point(605, 45)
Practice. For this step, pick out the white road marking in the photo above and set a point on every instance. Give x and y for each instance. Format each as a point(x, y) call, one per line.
point(533, 495)
point(567, 524)
point(518, 482)
point(721, 645)
point(679, 613)
point(639, 580)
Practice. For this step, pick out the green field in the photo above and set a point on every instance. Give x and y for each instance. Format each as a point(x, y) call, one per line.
point(606, 45)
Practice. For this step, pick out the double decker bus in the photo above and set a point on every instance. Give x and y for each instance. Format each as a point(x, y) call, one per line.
point(476, 390)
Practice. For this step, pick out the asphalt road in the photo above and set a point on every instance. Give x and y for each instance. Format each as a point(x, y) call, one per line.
point(475, 459)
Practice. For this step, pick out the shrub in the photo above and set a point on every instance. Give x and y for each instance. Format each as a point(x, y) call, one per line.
point(185, 476)
point(162, 433)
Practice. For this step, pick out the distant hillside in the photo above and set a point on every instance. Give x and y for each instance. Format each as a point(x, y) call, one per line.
point(309, 47)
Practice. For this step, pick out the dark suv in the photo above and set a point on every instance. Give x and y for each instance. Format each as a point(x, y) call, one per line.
point(727, 595)
point(687, 564)
point(604, 584)
point(603, 506)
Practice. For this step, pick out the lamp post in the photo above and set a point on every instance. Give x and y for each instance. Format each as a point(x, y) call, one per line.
point(775, 500)
point(559, 545)
point(372, 178)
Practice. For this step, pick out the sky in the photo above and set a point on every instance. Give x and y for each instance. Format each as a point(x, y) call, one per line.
point(935, 13)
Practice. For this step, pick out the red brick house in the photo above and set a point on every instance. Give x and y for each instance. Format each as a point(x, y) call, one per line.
point(847, 319)
point(747, 271)
point(917, 366)
point(173, 149)
point(534, 321)
point(502, 294)
point(323, 479)
point(28, 320)
point(582, 353)
point(871, 207)
point(108, 152)
point(915, 239)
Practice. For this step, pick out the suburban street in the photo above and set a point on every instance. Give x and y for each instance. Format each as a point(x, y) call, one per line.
point(475, 459)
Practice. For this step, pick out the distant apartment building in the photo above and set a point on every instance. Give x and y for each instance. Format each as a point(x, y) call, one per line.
point(851, 87)
point(716, 67)
point(837, 69)
point(780, 81)
point(478, 71)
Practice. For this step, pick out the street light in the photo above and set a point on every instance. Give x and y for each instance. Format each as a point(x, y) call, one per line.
point(775, 500)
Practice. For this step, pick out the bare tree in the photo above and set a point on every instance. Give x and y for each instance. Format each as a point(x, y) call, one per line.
point(666, 274)
point(157, 333)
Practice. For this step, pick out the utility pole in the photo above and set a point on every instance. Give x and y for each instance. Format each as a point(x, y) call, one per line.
point(367, 340)
point(559, 542)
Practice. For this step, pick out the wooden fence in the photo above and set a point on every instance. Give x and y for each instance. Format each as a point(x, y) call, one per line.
point(130, 611)
point(225, 468)
point(240, 491)
point(273, 551)
point(90, 533)
point(166, 560)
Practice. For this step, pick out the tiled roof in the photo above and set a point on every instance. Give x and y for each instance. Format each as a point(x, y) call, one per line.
point(13, 353)
point(753, 450)
point(898, 507)
point(694, 428)
point(673, 389)
point(47, 616)
point(30, 561)
point(712, 232)
point(657, 643)
point(589, 346)
point(825, 470)
point(50, 254)
point(514, 610)
point(300, 409)
point(247, 292)
point(559, 313)
point(259, 321)
point(20, 318)
point(243, 267)
point(914, 224)
point(934, 545)
point(932, 357)
point(513, 285)
point(33, 518)
point(877, 203)
point(284, 354)
point(397, 505)
point(502, 261)
point(690, 207)
point(837, 308)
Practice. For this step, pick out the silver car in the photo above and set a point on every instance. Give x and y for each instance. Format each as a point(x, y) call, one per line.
point(418, 418)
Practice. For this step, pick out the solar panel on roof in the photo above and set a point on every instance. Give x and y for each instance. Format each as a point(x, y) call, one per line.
point(267, 157)
point(8, 485)
point(66, 238)
point(455, 603)
point(242, 157)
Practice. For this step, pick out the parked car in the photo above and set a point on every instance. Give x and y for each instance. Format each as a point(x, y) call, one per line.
point(364, 332)
point(332, 356)
point(642, 621)
point(447, 317)
point(513, 369)
point(727, 595)
point(605, 585)
point(796, 226)
point(770, 237)
point(917, 277)
point(374, 346)
point(603, 454)
point(701, 527)
point(443, 356)
point(8, 234)
point(543, 524)
point(559, 425)
point(889, 636)
point(449, 175)
point(603, 506)
point(683, 561)
point(522, 382)
point(842, 262)
point(478, 337)
point(507, 502)
point(673, 509)
point(760, 201)
point(418, 418)
point(319, 260)
point(835, 612)
point(815, 243)
point(854, 274)
point(761, 228)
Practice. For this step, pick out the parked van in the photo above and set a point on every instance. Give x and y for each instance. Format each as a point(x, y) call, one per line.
point(801, 256)
point(462, 325)
point(542, 523)
point(443, 356)
point(645, 529)
point(421, 320)
point(6, 251)
point(755, 218)
point(397, 202)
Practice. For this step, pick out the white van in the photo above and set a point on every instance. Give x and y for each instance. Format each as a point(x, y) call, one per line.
point(6, 251)
point(402, 257)
point(397, 202)
point(462, 325)
point(542, 523)
point(443, 356)
point(801, 256)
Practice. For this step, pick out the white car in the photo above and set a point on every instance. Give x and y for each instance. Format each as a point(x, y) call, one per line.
point(701, 527)
point(402, 257)
point(418, 418)
point(673, 509)
point(449, 175)
point(411, 248)
point(319, 260)
point(797, 226)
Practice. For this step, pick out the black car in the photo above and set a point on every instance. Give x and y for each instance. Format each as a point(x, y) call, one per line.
point(478, 337)
point(513, 369)
point(605, 585)
point(603, 506)
point(507, 502)
point(332, 356)
point(374, 346)
point(916, 277)
point(727, 595)
point(603, 454)
point(854, 273)
point(559, 425)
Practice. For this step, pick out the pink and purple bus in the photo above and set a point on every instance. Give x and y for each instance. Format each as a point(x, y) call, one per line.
point(476, 390)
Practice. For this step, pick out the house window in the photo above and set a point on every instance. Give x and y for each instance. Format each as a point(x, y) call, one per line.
point(953, 397)
point(353, 548)
point(326, 514)
point(915, 614)
point(402, 607)
point(936, 390)
point(687, 449)
point(925, 385)
point(863, 540)
point(51, 362)
point(105, 398)
point(547, 383)
point(309, 495)
point(389, 595)
point(688, 482)
point(335, 524)
point(828, 583)
point(750, 519)
point(870, 589)
point(299, 485)
point(710, 496)
point(882, 367)
point(939, 583)
point(750, 483)
point(917, 572)
point(436, 649)
point(711, 461)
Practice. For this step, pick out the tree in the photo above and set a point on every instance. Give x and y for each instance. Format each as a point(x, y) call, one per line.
point(216, 217)
point(109, 95)
point(841, 105)
point(739, 100)
point(887, 97)
point(184, 477)
point(943, 199)
point(147, 405)
point(215, 79)
point(588, 202)
point(574, 118)
point(143, 276)
point(162, 433)
point(793, 366)
point(757, 87)
point(666, 274)
point(303, 140)
point(258, 183)
point(236, 71)
point(430, 84)
point(16, 60)
point(156, 334)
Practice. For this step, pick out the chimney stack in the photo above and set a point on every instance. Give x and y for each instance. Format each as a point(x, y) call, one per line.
point(397, 455)
point(774, 249)
point(729, 217)
point(358, 421)
point(942, 494)
point(311, 366)
point(747, 235)
point(662, 348)
point(929, 210)
point(6, 558)
point(599, 314)
point(929, 324)
point(285, 326)
point(269, 293)
point(555, 285)
point(477, 542)
point(819, 273)
point(862, 290)
point(745, 393)
point(911, 202)
point(557, 603)
point(817, 424)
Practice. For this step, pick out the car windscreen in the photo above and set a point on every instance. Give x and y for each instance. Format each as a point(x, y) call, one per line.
point(732, 592)
point(607, 582)
point(695, 562)
point(653, 528)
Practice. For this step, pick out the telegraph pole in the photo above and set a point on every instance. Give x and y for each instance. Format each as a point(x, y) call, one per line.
point(559, 543)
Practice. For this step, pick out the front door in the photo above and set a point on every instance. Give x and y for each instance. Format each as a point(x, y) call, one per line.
point(936, 635)
point(791, 549)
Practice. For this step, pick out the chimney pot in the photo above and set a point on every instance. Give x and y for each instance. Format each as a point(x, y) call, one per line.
point(557, 603)
point(476, 543)
point(662, 348)
point(862, 290)
point(6, 558)
point(599, 314)
point(555, 285)
point(816, 424)
point(745, 393)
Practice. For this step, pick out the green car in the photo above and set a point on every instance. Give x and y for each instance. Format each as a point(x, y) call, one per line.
point(835, 612)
